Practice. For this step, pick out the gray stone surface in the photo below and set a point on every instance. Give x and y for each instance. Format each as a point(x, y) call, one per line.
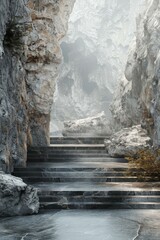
point(13, 98)
point(84, 225)
point(30, 53)
point(16, 198)
point(128, 141)
point(97, 125)
point(137, 99)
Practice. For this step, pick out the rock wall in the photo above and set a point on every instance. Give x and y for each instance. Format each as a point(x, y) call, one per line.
point(95, 52)
point(30, 32)
point(138, 97)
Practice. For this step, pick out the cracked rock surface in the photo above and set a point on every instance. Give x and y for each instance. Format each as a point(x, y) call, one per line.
point(16, 198)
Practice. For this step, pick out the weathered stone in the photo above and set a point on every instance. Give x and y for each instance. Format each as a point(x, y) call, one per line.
point(127, 142)
point(43, 56)
point(138, 98)
point(16, 198)
point(91, 126)
point(30, 32)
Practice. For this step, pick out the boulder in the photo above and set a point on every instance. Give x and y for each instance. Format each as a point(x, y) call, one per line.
point(16, 197)
point(91, 126)
point(128, 141)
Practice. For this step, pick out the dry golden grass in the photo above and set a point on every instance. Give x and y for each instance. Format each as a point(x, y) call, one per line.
point(146, 164)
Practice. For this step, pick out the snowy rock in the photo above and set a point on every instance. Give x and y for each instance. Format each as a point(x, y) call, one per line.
point(127, 141)
point(91, 126)
point(17, 198)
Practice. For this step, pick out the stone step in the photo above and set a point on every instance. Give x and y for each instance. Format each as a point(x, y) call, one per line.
point(68, 150)
point(72, 154)
point(88, 188)
point(100, 205)
point(77, 160)
point(33, 180)
point(77, 140)
point(70, 166)
point(67, 170)
point(130, 193)
point(71, 157)
point(62, 147)
point(75, 146)
point(64, 174)
point(102, 199)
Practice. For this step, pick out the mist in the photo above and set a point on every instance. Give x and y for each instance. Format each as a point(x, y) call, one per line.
point(95, 52)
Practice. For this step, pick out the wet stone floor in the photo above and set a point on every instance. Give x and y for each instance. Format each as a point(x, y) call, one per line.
point(83, 225)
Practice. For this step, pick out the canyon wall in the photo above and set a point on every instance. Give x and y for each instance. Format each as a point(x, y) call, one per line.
point(137, 100)
point(30, 34)
point(94, 55)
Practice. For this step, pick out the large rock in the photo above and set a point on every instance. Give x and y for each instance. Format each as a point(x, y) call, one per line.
point(137, 99)
point(127, 142)
point(30, 34)
point(16, 198)
point(91, 126)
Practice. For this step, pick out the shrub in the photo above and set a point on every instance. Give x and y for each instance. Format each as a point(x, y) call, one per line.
point(145, 165)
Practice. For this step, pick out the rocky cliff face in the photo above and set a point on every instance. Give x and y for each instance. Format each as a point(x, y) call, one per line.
point(95, 52)
point(30, 31)
point(138, 97)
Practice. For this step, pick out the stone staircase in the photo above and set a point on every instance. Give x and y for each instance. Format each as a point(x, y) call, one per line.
point(77, 173)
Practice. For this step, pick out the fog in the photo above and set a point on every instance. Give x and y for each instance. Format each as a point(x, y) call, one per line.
point(94, 52)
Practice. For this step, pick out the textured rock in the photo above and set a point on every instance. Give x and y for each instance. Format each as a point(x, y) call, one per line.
point(16, 198)
point(128, 141)
point(13, 96)
point(43, 56)
point(91, 126)
point(95, 52)
point(138, 98)
point(30, 31)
